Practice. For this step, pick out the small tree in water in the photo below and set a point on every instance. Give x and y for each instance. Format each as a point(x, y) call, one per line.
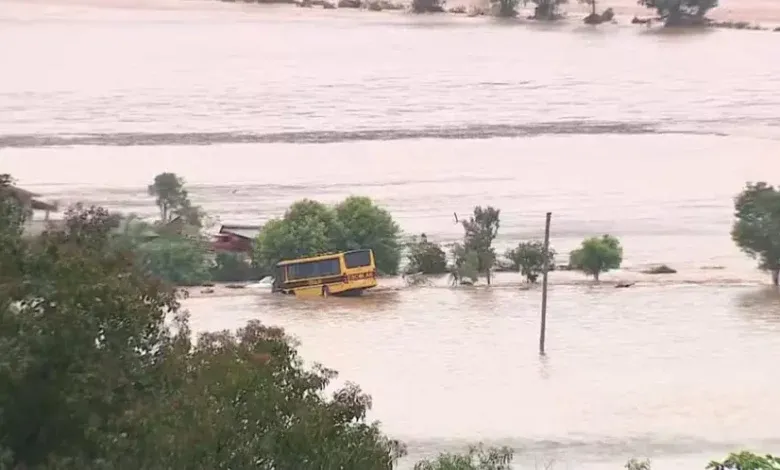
point(481, 229)
point(426, 257)
point(597, 255)
point(428, 6)
point(547, 9)
point(506, 8)
point(756, 229)
point(681, 12)
point(528, 258)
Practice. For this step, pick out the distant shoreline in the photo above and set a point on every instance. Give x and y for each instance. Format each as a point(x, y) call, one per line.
point(765, 13)
point(765, 18)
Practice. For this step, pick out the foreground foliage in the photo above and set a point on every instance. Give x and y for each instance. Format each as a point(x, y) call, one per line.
point(756, 229)
point(310, 228)
point(91, 376)
point(597, 255)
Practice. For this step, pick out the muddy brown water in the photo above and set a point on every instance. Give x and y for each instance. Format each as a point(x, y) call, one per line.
point(641, 134)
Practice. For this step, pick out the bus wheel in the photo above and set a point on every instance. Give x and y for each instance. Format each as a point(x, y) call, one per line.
point(325, 291)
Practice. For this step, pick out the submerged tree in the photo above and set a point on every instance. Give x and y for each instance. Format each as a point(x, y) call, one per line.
point(595, 18)
point(756, 229)
point(547, 9)
point(466, 267)
point(681, 12)
point(364, 224)
point(310, 228)
point(597, 255)
point(506, 8)
point(480, 231)
point(425, 257)
point(529, 259)
point(428, 6)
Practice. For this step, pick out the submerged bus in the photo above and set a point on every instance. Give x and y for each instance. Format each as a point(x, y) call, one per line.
point(347, 273)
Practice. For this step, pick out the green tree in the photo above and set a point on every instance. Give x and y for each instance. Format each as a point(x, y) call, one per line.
point(477, 458)
point(310, 228)
point(79, 330)
point(746, 461)
point(480, 231)
point(179, 261)
point(233, 267)
point(597, 255)
point(363, 224)
point(756, 229)
point(528, 258)
point(466, 267)
point(425, 257)
point(173, 199)
point(681, 12)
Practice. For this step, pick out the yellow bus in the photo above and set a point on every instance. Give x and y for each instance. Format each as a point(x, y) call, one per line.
point(347, 273)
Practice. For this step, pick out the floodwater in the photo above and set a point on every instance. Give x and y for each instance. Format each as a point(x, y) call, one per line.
point(637, 133)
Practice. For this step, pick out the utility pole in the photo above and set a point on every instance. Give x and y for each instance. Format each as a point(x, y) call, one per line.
point(543, 329)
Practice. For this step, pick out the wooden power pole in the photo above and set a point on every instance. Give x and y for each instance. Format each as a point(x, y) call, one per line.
point(543, 329)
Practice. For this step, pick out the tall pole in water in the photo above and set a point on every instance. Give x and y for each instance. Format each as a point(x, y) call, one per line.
point(543, 329)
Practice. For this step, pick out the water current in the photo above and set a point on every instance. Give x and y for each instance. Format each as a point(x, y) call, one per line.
point(642, 134)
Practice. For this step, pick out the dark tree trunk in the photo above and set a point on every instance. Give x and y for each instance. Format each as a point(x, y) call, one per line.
point(775, 276)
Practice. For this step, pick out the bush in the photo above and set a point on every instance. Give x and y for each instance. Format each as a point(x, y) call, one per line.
point(233, 267)
point(425, 257)
point(179, 261)
point(528, 258)
point(427, 6)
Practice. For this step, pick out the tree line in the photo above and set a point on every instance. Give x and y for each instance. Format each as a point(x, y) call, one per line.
point(671, 12)
point(99, 371)
point(174, 249)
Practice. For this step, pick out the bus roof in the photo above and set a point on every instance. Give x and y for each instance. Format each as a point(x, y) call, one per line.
point(317, 258)
point(310, 258)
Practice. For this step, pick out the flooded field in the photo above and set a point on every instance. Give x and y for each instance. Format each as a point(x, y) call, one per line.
point(643, 135)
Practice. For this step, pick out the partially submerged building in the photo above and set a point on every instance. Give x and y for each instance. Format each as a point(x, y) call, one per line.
point(236, 238)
